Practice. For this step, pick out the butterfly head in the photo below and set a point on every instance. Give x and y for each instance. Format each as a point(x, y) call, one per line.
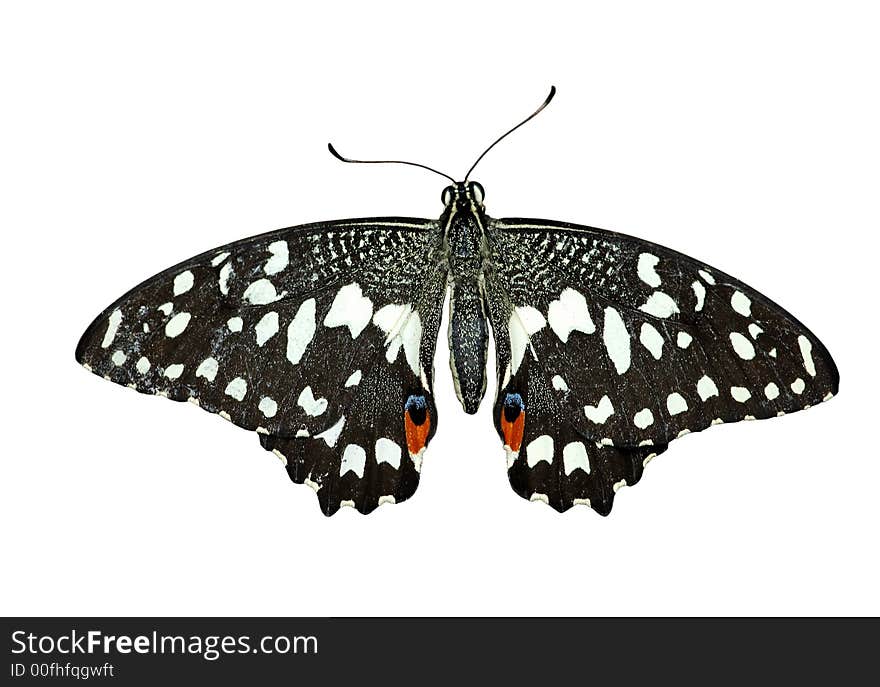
point(463, 195)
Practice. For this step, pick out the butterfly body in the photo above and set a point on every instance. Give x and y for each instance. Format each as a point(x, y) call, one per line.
point(321, 338)
point(466, 247)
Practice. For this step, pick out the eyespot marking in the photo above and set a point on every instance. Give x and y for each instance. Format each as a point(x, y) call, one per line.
point(513, 420)
point(417, 422)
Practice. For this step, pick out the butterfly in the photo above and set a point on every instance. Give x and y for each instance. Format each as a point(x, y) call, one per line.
point(321, 339)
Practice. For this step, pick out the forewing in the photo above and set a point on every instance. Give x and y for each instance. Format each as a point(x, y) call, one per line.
point(633, 345)
point(314, 336)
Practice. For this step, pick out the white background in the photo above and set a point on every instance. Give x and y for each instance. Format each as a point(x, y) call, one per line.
point(134, 136)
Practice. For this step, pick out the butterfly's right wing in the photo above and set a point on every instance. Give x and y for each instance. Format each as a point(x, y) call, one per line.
point(320, 338)
point(612, 347)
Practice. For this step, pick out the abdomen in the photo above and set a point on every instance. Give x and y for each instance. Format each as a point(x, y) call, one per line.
point(468, 341)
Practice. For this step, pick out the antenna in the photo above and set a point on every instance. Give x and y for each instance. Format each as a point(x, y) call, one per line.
point(385, 162)
point(505, 135)
point(498, 140)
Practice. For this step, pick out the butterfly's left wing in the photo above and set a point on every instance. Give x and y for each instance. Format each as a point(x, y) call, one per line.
point(319, 337)
point(610, 347)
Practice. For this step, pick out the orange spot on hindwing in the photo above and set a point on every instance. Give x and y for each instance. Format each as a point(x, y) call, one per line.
point(513, 421)
point(417, 421)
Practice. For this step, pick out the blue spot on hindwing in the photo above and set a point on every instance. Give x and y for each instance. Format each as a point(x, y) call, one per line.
point(513, 406)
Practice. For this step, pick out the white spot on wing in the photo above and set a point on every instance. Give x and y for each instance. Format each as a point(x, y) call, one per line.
point(351, 309)
point(300, 331)
point(237, 389)
point(217, 259)
point(235, 324)
point(569, 313)
point(741, 303)
point(683, 340)
point(267, 327)
point(183, 282)
point(807, 354)
point(511, 456)
point(331, 435)
point(700, 294)
point(208, 369)
point(524, 322)
point(388, 452)
point(417, 459)
point(532, 320)
point(675, 403)
point(644, 418)
point(260, 292)
point(174, 371)
point(771, 391)
point(268, 406)
point(118, 358)
point(616, 340)
point(706, 388)
point(574, 456)
point(403, 328)
point(313, 406)
point(743, 347)
point(646, 271)
point(559, 383)
point(540, 449)
point(754, 330)
point(506, 379)
point(166, 308)
point(659, 304)
point(280, 257)
point(223, 278)
point(354, 379)
point(708, 278)
point(798, 386)
point(390, 318)
point(354, 458)
point(652, 340)
point(412, 341)
point(740, 394)
point(142, 365)
point(600, 412)
point(113, 323)
point(177, 324)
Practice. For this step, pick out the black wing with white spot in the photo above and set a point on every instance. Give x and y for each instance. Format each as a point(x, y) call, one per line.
point(320, 338)
point(610, 347)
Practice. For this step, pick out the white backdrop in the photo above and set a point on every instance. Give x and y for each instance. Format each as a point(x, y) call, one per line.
point(134, 136)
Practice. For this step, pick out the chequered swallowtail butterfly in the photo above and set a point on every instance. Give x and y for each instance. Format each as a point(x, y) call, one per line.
point(321, 338)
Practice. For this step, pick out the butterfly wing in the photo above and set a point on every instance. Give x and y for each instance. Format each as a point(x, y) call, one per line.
point(317, 337)
point(616, 346)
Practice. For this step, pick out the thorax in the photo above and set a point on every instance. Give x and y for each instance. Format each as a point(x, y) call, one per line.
point(464, 240)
